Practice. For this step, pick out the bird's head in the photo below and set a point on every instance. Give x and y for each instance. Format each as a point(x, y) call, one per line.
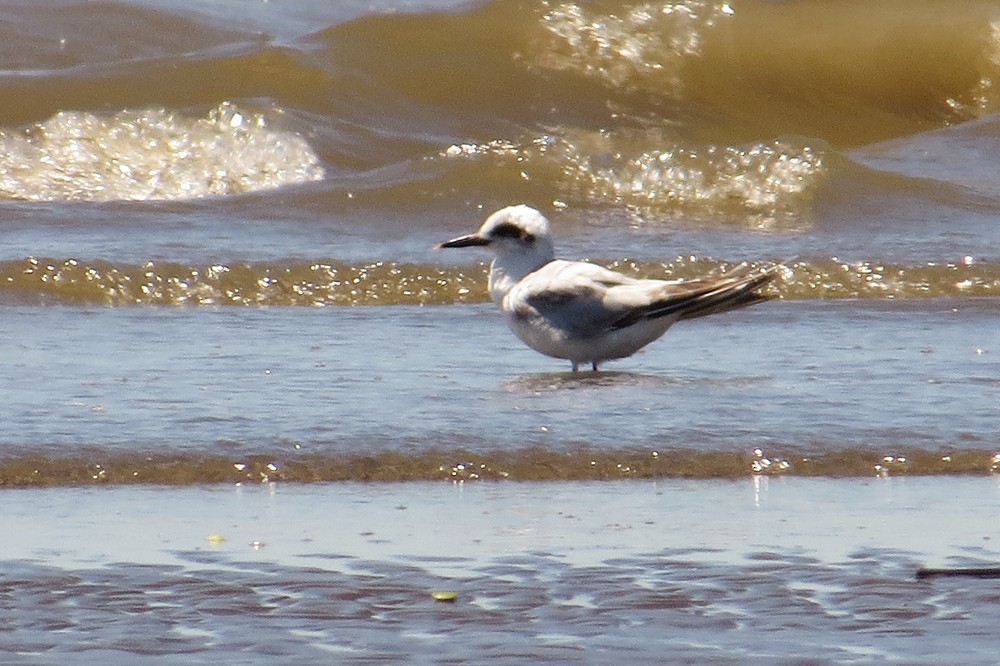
point(515, 230)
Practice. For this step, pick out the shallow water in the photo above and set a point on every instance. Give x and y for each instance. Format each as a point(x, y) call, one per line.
point(398, 393)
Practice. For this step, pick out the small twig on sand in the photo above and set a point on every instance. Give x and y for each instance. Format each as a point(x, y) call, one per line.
point(972, 572)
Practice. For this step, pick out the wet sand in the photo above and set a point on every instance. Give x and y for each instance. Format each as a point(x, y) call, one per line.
point(781, 569)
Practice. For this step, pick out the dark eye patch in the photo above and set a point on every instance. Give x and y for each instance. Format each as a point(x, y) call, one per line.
point(508, 230)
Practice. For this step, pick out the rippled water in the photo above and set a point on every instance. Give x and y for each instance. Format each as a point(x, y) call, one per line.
point(392, 283)
point(393, 393)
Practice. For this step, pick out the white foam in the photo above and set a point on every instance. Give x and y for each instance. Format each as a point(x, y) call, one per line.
point(151, 154)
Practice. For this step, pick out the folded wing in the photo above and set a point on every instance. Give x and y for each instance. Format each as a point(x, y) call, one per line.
point(584, 300)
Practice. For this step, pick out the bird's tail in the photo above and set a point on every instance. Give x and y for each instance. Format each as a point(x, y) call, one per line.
point(699, 298)
point(728, 294)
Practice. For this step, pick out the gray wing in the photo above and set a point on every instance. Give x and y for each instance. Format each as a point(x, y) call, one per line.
point(584, 300)
point(576, 312)
point(580, 299)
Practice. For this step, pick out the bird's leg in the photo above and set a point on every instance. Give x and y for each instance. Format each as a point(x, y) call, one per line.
point(576, 366)
point(594, 365)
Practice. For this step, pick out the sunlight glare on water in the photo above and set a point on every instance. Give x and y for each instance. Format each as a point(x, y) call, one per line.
point(151, 155)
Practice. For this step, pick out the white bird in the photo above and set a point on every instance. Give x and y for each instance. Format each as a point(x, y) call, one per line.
point(580, 311)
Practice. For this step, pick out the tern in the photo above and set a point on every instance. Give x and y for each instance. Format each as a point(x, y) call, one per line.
point(585, 313)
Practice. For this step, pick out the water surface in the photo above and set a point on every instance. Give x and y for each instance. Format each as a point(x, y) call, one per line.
point(218, 292)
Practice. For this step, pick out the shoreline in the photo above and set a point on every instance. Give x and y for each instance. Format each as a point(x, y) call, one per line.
point(775, 570)
point(938, 518)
